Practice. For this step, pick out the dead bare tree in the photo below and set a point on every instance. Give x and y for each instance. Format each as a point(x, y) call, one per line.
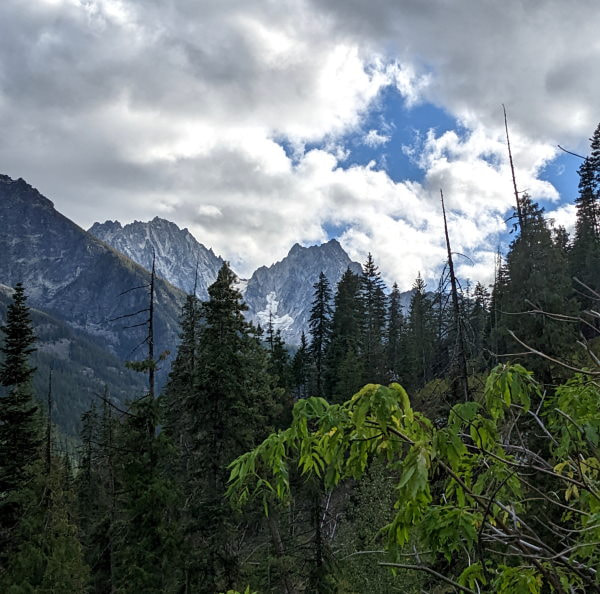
point(460, 357)
point(512, 170)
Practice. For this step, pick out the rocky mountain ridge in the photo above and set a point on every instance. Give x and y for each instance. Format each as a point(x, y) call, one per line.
point(282, 291)
point(77, 278)
point(285, 290)
point(180, 259)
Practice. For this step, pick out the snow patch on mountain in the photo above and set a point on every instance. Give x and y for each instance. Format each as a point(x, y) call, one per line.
point(290, 282)
point(282, 323)
point(241, 284)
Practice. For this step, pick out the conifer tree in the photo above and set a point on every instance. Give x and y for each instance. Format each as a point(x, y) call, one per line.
point(495, 332)
point(594, 158)
point(562, 240)
point(344, 360)
point(477, 326)
point(279, 363)
point(395, 344)
point(146, 541)
point(182, 380)
point(320, 327)
point(96, 487)
point(87, 479)
point(421, 336)
point(48, 556)
point(233, 405)
point(301, 369)
point(538, 280)
point(373, 323)
point(20, 430)
point(270, 332)
point(40, 550)
point(585, 251)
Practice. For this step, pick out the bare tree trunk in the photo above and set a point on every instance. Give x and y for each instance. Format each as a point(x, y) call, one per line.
point(461, 354)
point(286, 580)
point(512, 170)
point(151, 363)
point(49, 426)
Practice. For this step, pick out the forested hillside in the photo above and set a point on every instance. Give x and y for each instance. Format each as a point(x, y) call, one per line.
point(449, 446)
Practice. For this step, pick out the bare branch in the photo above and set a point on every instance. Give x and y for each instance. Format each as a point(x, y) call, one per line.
point(533, 351)
point(571, 152)
point(133, 289)
point(429, 571)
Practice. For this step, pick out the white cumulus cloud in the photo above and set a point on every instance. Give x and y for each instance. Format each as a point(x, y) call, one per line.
point(208, 112)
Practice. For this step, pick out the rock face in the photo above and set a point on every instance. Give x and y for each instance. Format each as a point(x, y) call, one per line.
point(285, 289)
point(177, 251)
point(76, 277)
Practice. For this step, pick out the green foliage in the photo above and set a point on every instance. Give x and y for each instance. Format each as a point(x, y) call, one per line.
point(81, 367)
point(344, 364)
point(146, 540)
point(48, 557)
point(538, 282)
point(20, 435)
point(373, 300)
point(420, 336)
point(485, 500)
point(395, 343)
point(319, 323)
point(218, 406)
point(370, 506)
point(301, 369)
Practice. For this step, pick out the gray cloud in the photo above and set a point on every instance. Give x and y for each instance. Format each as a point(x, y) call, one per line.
point(539, 58)
point(128, 109)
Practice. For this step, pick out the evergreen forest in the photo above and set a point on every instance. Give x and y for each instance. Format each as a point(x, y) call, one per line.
point(452, 446)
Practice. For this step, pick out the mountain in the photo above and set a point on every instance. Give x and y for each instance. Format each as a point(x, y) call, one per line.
point(285, 289)
point(81, 368)
point(177, 251)
point(77, 278)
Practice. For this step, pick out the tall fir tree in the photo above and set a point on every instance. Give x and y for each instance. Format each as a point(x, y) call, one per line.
point(395, 344)
point(421, 336)
point(234, 404)
point(180, 386)
point(585, 252)
point(477, 327)
point(96, 487)
point(319, 323)
point(40, 549)
point(594, 158)
point(49, 556)
point(280, 366)
point(146, 543)
point(372, 294)
point(20, 429)
point(344, 374)
point(538, 281)
point(301, 369)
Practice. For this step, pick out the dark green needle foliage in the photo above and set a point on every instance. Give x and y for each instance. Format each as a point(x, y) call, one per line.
point(20, 422)
point(320, 330)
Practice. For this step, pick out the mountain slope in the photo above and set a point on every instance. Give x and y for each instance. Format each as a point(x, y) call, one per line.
point(177, 251)
point(286, 288)
point(74, 276)
point(81, 368)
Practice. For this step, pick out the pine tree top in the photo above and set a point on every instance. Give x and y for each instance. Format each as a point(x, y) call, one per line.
point(18, 341)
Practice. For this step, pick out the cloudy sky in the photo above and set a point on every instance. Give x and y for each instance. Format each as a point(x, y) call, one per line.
point(261, 123)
